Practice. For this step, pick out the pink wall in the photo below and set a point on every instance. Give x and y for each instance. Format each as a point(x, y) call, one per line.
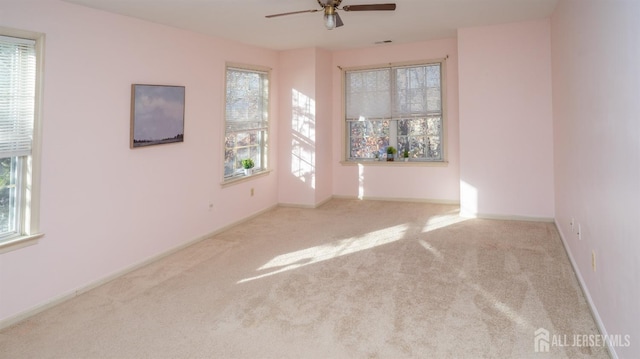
point(506, 140)
point(398, 182)
point(297, 130)
point(305, 127)
point(104, 206)
point(596, 87)
point(324, 125)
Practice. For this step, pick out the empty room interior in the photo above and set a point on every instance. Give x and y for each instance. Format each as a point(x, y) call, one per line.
point(447, 179)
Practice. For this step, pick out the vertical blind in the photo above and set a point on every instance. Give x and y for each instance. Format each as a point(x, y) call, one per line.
point(17, 95)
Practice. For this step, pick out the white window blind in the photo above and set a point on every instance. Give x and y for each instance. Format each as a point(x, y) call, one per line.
point(17, 96)
point(247, 99)
point(368, 94)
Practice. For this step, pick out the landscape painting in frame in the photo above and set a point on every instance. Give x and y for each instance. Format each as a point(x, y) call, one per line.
point(157, 114)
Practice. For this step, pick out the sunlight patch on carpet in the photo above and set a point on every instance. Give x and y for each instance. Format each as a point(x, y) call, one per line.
point(297, 259)
point(441, 221)
point(503, 308)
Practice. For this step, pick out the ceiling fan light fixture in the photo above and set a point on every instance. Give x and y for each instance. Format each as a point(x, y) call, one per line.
point(330, 21)
point(330, 17)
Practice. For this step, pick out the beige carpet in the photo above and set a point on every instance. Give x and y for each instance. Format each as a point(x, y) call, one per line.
point(351, 279)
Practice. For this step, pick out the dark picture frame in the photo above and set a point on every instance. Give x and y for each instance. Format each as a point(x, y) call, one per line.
point(157, 114)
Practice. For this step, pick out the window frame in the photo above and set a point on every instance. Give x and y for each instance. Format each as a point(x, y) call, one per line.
point(29, 169)
point(443, 162)
point(264, 146)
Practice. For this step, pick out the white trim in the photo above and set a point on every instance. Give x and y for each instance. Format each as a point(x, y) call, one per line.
point(248, 67)
point(507, 217)
point(240, 179)
point(343, 114)
point(395, 64)
point(396, 162)
point(33, 220)
point(585, 291)
point(19, 242)
point(401, 199)
point(444, 99)
point(297, 205)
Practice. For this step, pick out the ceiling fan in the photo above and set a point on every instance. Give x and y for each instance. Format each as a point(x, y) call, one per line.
point(331, 17)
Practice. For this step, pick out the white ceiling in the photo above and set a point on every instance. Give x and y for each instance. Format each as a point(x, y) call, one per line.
point(244, 20)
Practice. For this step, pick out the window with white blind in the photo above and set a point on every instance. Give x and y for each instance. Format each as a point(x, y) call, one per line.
point(246, 120)
point(398, 106)
point(19, 78)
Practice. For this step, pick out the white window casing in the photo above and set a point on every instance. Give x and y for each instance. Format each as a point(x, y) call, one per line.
point(21, 61)
point(246, 126)
point(399, 105)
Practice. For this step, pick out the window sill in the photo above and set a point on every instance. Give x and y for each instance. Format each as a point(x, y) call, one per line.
point(19, 242)
point(240, 179)
point(397, 162)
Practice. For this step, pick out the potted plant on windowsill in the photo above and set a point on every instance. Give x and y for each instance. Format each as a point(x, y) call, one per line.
point(247, 164)
point(391, 151)
point(405, 155)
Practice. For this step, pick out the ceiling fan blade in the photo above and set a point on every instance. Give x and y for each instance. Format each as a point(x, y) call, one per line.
point(370, 7)
point(291, 13)
point(338, 20)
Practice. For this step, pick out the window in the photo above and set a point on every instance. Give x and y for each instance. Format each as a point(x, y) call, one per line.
point(246, 120)
point(19, 77)
point(397, 106)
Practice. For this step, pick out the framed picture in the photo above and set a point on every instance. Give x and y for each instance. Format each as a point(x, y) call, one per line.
point(157, 115)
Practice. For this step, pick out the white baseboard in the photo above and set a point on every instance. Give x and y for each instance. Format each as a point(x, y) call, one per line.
point(508, 217)
point(87, 287)
point(400, 199)
point(585, 291)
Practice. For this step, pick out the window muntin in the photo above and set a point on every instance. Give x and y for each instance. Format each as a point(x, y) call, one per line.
point(10, 195)
point(19, 163)
point(395, 106)
point(246, 120)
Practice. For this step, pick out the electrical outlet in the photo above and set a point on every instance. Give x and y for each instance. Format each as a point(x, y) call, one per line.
point(251, 191)
point(593, 260)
